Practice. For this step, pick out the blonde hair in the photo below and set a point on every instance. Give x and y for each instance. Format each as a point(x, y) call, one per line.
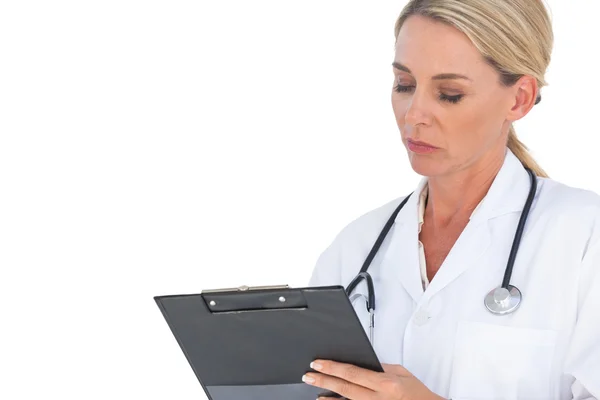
point(515, 37)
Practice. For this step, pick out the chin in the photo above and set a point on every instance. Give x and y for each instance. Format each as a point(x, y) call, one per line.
point(426, 165)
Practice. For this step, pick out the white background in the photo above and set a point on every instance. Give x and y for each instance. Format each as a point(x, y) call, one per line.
point(152, 148)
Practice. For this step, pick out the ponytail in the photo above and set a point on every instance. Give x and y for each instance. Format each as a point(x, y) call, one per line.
point(522, 153)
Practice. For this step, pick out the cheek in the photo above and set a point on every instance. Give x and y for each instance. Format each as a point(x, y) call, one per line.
point(466, 126)
point(460, 121)
point(399, 106)
point(485, 117)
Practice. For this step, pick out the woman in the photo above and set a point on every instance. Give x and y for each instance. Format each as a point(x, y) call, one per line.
point(464, 71)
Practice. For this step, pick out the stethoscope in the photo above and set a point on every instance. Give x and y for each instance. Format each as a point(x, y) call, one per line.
point(499, 301)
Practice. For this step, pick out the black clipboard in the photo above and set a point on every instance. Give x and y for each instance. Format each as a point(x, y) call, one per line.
point(256, 343)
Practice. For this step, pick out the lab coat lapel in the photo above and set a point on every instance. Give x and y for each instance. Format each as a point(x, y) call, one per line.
point(466, 253)
point(507, 194)
point(402, 258)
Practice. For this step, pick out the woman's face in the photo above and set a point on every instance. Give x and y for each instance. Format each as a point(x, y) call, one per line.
point(447, 96)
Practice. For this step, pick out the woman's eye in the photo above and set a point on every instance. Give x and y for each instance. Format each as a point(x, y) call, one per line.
point(451, 99)
point(403, 89)
point(443, 97)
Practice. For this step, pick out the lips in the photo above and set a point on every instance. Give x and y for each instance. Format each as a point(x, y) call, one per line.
point(420, 147)
point(418, 143)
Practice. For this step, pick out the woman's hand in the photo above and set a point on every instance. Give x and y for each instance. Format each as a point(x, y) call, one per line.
point(355, 383)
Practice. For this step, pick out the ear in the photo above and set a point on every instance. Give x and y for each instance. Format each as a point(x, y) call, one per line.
point(525, 93)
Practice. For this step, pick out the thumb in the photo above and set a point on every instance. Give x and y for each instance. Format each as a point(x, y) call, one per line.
point(395, 369)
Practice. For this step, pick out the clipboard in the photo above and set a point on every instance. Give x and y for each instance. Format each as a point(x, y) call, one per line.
point(252, 343)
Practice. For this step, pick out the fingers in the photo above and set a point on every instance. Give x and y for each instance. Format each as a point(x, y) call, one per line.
point(349, 373)
point(346, 389)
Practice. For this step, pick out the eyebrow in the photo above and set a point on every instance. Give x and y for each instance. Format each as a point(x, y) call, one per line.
point(401, 67)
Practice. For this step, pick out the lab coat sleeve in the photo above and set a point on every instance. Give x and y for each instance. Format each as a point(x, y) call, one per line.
point(583, 357)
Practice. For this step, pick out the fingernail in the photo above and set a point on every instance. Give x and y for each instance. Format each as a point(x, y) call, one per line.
point(316, 366)
point(308, 379)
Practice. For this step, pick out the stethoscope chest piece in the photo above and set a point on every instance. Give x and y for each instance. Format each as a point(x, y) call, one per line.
point(502, 301)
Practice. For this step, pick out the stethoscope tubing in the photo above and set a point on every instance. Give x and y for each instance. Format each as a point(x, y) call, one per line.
point(364, 275)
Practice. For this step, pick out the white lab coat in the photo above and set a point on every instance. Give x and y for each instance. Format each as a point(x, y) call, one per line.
point(549, 348)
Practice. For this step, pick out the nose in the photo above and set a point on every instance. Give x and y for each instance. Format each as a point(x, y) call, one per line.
point(418, 110)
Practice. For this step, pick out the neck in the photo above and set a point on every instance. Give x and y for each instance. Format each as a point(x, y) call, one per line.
point(456, 195)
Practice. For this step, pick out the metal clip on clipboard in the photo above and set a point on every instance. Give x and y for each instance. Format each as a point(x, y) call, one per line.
point(253, 298)
point(245, 288)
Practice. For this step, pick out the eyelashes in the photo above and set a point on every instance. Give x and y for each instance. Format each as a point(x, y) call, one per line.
point(444, 97)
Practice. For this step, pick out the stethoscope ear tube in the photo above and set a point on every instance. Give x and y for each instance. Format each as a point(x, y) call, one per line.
point(370, 288)
point(369, 299)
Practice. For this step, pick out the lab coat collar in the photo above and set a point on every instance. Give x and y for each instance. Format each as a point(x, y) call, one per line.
point(507, 194)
